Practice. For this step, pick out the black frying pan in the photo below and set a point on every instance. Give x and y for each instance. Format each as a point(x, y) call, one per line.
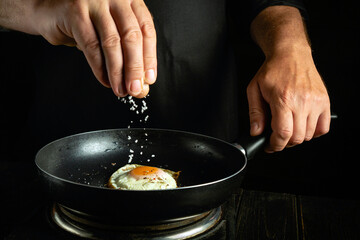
point(75, 170)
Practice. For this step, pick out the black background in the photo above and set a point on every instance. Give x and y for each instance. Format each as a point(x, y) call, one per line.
point(326, 166)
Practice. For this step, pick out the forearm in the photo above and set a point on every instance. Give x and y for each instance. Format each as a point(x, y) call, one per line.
point(280, 29)
point(17, 15)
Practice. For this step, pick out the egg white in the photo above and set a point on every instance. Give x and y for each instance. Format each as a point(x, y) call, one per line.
point(122, 179)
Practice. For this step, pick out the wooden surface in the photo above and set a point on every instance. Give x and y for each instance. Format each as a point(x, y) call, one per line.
point(266, 215)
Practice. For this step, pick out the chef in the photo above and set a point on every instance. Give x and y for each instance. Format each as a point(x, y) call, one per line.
point(180, 54)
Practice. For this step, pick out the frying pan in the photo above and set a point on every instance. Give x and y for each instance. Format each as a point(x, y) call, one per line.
point(74, 171)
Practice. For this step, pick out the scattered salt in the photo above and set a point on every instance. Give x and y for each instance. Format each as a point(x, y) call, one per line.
point(139, 108)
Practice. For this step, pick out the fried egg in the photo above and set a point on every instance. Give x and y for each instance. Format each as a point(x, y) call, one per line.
point(139, 177)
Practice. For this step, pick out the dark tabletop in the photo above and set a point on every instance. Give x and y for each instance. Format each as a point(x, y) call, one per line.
point(267, 215)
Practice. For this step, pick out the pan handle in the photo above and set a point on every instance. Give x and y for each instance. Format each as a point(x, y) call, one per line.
point(249, 146)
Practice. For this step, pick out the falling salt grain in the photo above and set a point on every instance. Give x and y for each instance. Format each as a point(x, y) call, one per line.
point(130, 157)
point(132, 151)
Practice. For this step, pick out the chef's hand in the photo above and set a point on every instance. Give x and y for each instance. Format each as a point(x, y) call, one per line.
point(288, 83)
point(117, 37)
point(297, 98)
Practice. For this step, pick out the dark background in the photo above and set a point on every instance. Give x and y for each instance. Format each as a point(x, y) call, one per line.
point(326, 166)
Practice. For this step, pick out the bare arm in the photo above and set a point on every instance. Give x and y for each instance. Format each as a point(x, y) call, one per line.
point(279, 28)
point(288, 83)
point(15, 14)
point(118, 38)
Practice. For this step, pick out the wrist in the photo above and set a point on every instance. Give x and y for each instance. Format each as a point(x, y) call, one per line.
point(288, 49)
point(19, 15)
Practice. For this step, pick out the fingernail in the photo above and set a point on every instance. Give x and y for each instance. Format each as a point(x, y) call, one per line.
point(135, 87)
point(150, 76)
point(269, 151)
point(122, 92)
point(254, 128)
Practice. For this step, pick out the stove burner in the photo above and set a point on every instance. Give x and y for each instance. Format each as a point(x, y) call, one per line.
point(86, 226)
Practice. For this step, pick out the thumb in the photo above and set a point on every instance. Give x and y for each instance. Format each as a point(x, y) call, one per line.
point(256, 109)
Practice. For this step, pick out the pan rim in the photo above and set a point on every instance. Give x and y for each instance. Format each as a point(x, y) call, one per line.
point(142, 129)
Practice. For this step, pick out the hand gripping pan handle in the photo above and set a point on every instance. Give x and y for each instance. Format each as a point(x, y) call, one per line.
point(250, 146)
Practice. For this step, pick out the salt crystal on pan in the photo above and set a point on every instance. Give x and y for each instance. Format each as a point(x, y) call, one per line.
point(131, 150)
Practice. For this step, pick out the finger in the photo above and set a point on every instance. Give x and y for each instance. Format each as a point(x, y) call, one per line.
point(256, 109)
point(323, 124)
point(311, 126)
point(111, 48)
point(144, 92)
point(282, 126)
point(149, 39)
point(88, 42)
point(299, 129)
point(132, 45)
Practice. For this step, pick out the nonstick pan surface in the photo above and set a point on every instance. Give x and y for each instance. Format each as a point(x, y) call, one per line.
point(75, 171)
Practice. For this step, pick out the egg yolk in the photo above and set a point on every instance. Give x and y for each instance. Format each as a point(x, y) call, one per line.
point(146, 172)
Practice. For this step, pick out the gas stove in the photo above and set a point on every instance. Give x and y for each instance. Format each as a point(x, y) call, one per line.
point(30, 215)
